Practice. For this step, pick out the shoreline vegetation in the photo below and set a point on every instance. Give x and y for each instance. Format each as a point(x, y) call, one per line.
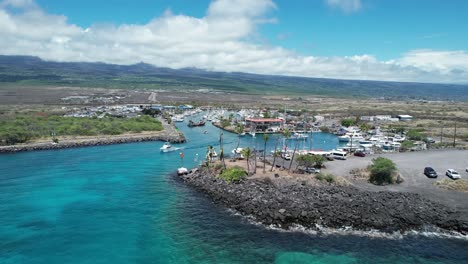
point(286, 203)
point(42, 133)
point(24, 128)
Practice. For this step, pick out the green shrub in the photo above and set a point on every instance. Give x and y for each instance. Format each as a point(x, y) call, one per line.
point(415, 134)
point(325, 177)
point(324, 129)
point(465, 137)
point(382, 171)
point(234, 174)
point(348, 122)
point(406, 145)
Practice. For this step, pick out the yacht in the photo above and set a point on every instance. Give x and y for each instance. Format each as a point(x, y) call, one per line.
point(350, 136)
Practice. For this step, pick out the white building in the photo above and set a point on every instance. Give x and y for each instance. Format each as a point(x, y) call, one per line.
point(405, 117)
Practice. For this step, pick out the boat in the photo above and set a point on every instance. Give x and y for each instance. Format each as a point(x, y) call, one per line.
point(252, 133)
point(193, 124)
point(298, 136)
point(242, 134)
point(182, 171)
point(166, 147)
point(178, 118)
point(350, 136)
point(366, 143)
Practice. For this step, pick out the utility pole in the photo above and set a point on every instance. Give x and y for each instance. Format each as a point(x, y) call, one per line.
point(455, 134)
point(441, 133)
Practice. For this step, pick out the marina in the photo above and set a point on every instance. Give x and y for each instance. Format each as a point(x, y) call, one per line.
point(136, 206)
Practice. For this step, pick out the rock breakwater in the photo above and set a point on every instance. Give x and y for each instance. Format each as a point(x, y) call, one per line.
point(100, 141)
point(273, 202)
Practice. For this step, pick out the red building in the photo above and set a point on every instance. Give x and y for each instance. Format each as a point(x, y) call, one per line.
point(264, 124)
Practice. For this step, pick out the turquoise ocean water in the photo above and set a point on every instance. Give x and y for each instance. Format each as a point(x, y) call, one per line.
point(123, 204)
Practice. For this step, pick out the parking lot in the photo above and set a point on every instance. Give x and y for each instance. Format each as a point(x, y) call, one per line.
point(411, 166)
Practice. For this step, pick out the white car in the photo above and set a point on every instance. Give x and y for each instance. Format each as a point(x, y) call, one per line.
point(452, 174)
point(286, 156)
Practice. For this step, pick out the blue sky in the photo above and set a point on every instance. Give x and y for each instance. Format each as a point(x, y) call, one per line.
point(385, 29)
point(412, 40)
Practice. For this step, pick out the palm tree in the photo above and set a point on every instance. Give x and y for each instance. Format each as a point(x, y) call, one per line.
point(247, 153)
point(221, 149)
point(266, 137)
point(209, 154)
point(276, 153)
point(286, 134)
point(239, 130)
point(292, 158)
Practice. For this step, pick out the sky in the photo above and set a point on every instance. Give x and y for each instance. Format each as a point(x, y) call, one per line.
point(392, 40)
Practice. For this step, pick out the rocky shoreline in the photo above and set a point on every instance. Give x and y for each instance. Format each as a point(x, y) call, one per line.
point(283, 204)
point(101, 141)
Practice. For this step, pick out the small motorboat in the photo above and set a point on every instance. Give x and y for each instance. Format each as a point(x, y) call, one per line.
point(298, 136)
point(193, 124)
point(166, 147)
point(182, 171)
point(205, 132)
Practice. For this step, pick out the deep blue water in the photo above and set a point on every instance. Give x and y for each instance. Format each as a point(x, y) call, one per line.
point(123, 204)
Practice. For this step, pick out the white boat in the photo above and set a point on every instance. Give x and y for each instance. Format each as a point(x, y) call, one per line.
point(299, 136)
point(350, 136)
point(399, 138)
point(166, 147)
point(242, 134)
point(252, 134)
point(182, 171)
point(353, 145)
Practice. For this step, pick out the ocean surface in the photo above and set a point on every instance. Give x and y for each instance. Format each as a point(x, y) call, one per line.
point(124, 204)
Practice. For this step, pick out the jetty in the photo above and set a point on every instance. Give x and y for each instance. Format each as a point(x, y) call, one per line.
point(287, 204)
point(170, 134)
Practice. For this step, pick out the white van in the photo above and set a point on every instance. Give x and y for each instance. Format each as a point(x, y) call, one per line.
point(336, 154)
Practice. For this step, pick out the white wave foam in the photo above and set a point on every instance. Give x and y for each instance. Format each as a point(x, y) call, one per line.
point(429, 231)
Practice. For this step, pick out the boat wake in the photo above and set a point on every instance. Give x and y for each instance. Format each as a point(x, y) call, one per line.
point(171, 149)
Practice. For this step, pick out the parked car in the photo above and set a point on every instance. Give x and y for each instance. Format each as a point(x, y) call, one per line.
point(311, 170)
point(430, 172)
point(453, 174)
point(430, 140)
point(466, 169)
point(359, 154)
point(286, 156)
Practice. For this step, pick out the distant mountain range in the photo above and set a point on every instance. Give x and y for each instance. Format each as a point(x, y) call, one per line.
point(27, 70)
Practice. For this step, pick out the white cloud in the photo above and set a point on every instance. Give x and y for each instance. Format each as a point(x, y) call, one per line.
point(18, 3)
point(347, 6)
point(221, 41)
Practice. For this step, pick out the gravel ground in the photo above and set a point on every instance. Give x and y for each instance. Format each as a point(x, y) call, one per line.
point(411, 166)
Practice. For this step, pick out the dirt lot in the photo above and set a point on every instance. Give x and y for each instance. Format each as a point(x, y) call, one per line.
point(411, 166)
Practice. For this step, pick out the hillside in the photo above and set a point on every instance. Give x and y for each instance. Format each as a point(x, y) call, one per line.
point(26, 70)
